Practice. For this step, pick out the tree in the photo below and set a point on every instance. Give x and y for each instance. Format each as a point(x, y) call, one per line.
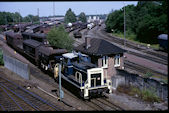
point(60, 38)
point(7, 17)
point(70, 16)
point(82, 17)
point(146, 20)
point(31, 18)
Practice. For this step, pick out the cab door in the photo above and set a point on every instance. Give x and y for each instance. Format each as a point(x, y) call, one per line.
point(95, 77)
point(95, 80)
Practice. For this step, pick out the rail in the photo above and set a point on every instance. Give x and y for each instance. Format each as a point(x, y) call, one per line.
point(27, 93)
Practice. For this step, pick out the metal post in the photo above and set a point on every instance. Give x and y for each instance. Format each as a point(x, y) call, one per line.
point(19, 22)
point(38, 14)
point(124, 27)
point(53, 9)
point(61, 93)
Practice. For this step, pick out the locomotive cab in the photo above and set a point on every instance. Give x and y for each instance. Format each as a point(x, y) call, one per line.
point(85, 76)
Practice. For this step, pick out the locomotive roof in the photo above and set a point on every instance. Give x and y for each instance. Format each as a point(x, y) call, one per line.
point(84, 65)
point(14, 35)
point(49, 50)
point(38, 35)
point(70, 55)
point(32, 43)
point(99, 47)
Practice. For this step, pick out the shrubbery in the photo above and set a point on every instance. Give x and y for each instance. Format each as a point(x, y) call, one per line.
point(1, 57)
point(145, 94)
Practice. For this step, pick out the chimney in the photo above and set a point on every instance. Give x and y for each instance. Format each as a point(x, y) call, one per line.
point(87, 42)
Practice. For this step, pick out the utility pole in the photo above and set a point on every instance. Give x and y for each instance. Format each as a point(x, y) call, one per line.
point(38, 14)
point(124, 27)
point(61, 93)
point(19, 21)
point(53, 9)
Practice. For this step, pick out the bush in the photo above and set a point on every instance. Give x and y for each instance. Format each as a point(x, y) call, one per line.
point(1, 57)
point(148, 74)
point(148, 95)
point(145, 94)
point(58, 37)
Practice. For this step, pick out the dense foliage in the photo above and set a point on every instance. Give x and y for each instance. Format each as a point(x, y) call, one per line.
point(82, 17)
point(10, 18)
point(58, 37)
point(146, 20)
point(70, 16)
point(1, 57)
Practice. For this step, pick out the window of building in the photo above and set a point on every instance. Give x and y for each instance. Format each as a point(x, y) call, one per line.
point(105, 61)
point(117, 60)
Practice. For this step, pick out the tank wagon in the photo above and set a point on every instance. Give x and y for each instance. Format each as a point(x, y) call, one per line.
point(76, 25)
point(86, 79)
point(163, 41)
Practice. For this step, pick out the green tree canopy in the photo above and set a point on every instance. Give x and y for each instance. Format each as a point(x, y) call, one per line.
point(146, 20)
point(82, 17)
point(30, 18)
point(10, 18)
point(70, 16)
point(60, 38)
point(7, 17)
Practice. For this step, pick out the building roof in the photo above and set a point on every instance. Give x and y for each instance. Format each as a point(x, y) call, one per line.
point(99, 47)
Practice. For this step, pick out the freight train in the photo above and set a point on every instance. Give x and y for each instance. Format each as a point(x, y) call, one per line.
point(42, 54)
point(74, 26)
point(84, 77)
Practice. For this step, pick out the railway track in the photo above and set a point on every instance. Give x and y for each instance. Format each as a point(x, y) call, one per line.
point(108, 103)
point(16, 98)
point(143, 70)
point(159, 57)
point(94, 104)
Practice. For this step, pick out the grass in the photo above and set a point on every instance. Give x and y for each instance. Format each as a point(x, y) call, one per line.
point(132, 37)
point(148, 74)
point(145, 94)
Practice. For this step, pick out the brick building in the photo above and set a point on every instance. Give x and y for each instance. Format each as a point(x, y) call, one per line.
point(103, 54)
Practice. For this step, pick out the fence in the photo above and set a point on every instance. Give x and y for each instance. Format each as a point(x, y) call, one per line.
point(16, 66)
point(159, 88)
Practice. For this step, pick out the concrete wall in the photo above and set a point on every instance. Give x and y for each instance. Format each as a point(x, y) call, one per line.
point(157, 87)
point(16, 66)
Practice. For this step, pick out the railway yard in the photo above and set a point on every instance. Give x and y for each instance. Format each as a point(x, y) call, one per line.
point(139, 59)
point(41, 91)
